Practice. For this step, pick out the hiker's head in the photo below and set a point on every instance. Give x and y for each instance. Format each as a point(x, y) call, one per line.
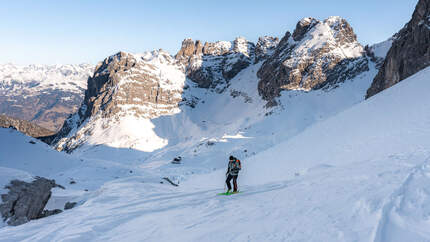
point(231, 157)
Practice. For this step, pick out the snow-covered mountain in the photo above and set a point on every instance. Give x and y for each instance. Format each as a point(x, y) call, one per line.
point(409, 52)
point(129, 91)
point(319, 161)
point(318, 54)
point(212, 65)
point(359, 175)
point(125, 92)
point(42, 94)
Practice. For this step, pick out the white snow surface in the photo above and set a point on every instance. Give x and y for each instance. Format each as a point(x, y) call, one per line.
point(161, 64)
point(324, 166)
point(239, 45)
point(130, 132)
point(129, 128)
point(322, 35)
point(36, 78)
point(381, 49)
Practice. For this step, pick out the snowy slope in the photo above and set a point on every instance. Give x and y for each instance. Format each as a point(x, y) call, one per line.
point(235, 121)
point(324, 160)
point(360, 175)
point(239, 127)
point(124, 157)
point(147, 86)
point(381, 49)
point(20, 159)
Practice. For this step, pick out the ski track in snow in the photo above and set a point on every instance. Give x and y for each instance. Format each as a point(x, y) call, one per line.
point(412, 197)
point(359, 173)
point(119, 209)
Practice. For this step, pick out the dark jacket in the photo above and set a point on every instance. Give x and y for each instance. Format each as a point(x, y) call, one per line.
point(234, 167)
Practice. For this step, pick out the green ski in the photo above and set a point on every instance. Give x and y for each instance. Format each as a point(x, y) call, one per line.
point(228, 193)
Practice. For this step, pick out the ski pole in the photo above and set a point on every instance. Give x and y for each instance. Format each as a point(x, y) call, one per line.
point(225, 181)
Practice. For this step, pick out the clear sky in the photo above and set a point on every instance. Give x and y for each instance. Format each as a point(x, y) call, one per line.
point(76, 31)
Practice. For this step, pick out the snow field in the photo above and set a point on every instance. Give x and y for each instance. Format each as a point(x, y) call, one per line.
point(350, 170)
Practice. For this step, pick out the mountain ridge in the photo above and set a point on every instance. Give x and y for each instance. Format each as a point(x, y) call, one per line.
point(409, 52)
point(173, 84)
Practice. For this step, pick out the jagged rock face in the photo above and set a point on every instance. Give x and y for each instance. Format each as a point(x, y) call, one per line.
point(25, 127)
point(26, 201)
point(45, 95)
point(265, 47)
point(409, 53)
point(134, 85)
point(214, 64)
point(189, 49)
point(127, 79)
point(378, 52)
point(302, 27)
point(317, 55)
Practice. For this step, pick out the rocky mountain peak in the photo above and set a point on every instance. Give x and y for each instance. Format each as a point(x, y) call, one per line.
point(265, 47)
point(188, 49)
point(242, 45)
point(138, 86)
point(215, 63)
point(303, 26)
point(409, 52)
point(133, 79)
point(318, 54)
point(343, 32)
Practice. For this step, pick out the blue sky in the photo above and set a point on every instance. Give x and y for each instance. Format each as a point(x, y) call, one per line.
point(61, 32)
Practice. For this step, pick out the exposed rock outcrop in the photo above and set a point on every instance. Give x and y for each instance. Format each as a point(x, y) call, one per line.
point(214, 64)
point(378, 52)
point(69, 205)
point(144, 85)
point(26, 201)
point(409, 53)
point(189, 49)
point(265, 47)
point(25, 127)
point(303, 27)
point(318, 54)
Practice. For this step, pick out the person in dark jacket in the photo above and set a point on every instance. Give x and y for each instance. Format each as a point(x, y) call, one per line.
point(233, 169)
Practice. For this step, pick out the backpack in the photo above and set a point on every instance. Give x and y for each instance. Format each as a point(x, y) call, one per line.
point(235, 166)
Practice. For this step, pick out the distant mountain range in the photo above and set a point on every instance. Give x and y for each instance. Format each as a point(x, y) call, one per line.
point(42, 94)
point(317, 55)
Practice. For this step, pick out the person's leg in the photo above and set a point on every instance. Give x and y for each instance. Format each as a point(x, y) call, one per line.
point(228, 181)
point(235, 183)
